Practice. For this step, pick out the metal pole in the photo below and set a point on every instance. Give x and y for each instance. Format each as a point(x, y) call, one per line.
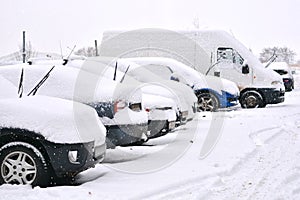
point(23, 52)
point(96, 48)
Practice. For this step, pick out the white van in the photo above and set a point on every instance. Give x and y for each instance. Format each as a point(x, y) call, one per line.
point(211, 52)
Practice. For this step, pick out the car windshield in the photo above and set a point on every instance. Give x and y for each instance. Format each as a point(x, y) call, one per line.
point(281, 71)
point(160, 70)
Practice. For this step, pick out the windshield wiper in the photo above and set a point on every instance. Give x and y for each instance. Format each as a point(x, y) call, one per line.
point(124, 74)
point(20, 90)
point(271, 60)
point(115, 73)
point(35, 89)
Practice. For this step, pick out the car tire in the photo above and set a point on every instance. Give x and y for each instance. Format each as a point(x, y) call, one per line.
point(252, 99)
point(207, 102)
point(23, 164)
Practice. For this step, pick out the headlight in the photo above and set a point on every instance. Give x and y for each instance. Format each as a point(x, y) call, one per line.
point(276, 82)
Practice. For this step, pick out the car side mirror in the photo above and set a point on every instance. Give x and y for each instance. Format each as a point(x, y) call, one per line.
point(245, 69)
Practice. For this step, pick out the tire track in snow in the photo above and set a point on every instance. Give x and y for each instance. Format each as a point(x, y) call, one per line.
point(199, 187)
point(190, 189)
point(267, 174)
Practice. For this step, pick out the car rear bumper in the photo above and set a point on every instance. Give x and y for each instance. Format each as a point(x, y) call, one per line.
point(118, 135)
point(157, 128)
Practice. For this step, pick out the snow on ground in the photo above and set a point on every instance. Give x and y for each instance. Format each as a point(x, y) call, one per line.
point(256, 156)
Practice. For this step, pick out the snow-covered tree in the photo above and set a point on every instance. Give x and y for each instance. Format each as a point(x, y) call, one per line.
point(29, 52)
point(86, 51)
point(284, 54)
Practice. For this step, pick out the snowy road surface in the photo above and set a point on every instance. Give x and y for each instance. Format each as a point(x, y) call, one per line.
point(256, 155)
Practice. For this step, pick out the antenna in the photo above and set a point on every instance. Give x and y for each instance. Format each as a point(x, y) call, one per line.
point(61, 53)
point(65, 61)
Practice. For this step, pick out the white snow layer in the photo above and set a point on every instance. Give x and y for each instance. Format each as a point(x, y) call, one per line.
point(254, 154)
point(148, 82)
point(73, 84)
point(189, 75)
point(58, 120)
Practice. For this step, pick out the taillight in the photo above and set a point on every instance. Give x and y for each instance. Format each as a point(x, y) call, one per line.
point(119, 105)
point(147, 109)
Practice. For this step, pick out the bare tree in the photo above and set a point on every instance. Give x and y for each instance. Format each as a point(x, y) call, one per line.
point(284, 54)
point(86, 51)
point(28, 51)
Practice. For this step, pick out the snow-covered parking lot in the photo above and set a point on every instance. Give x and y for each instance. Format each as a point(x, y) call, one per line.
point(255, 155)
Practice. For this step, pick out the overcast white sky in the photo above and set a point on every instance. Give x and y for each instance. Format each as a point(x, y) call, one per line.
point(256, 23)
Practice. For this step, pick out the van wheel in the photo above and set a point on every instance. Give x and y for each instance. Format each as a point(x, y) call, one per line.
point(23, 164)
point(207, 102)
point(252, 99)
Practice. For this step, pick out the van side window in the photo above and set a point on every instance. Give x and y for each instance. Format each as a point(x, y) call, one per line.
point(229, 55)
point(225, 54)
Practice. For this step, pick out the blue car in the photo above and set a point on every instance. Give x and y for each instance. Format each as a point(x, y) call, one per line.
point(212, 92)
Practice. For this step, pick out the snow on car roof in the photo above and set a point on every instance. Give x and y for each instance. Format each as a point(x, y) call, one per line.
point(71, 83)
point(7, 89)
point(58, 120)
point(190, 76)
point(105, 65)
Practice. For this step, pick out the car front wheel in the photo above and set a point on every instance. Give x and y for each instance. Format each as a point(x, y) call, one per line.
point(252, 99)
point(207, 102)
point(23, 164)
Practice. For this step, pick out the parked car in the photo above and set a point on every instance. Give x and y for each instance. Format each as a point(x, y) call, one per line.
point(283, 69)
point(157, 124)
point(211, 52)
point(161, 115)
point(180, 93)
point(118, 105)
point(44, 138)
point(212, 92)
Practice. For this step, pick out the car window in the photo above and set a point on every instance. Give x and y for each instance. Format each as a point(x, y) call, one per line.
point(160, 70)
point(281, 71)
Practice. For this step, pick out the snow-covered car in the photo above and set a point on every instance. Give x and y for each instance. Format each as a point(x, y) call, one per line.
point(160, 110)
point(121, 70)
point(283, 69)
point(212, 92)
point(43, 139)
point(118, 105)
point(161, 115)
